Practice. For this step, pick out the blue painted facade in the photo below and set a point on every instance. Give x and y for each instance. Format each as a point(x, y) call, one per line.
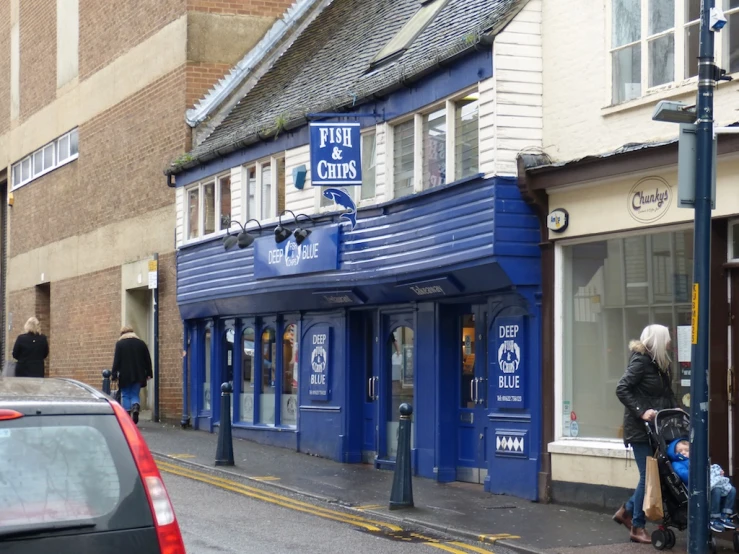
point(418, 265)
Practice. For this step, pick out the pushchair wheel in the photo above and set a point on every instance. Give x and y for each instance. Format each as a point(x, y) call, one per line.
point(736, 541)
point(671, 539)
point(660, 539)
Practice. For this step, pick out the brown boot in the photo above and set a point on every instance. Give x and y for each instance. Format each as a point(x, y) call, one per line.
point(622, 517)
point(639, 534)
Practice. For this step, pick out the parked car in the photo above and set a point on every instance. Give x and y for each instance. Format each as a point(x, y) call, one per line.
point(76, 475)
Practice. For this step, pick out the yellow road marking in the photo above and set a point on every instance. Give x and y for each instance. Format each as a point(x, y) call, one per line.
point(368, 507)
point(268, 478)
point(493, 538)
point(278, 499)
point(447, 548)
point(182, 456)
point(425, 538)
point(471, 547)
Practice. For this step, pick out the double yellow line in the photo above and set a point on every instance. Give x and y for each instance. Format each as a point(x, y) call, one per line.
point(305, 507)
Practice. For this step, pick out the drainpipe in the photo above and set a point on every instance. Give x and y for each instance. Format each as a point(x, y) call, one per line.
point(155, 410)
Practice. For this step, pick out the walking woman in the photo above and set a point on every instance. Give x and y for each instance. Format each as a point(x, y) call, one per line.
point(132, 369)
point(644, 389)
point(30, 349)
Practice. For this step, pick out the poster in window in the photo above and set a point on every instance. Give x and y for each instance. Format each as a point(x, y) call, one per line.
point(318, 347)
point(407, 365)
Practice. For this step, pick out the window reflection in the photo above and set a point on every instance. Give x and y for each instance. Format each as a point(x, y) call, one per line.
point(289, 406)
point(267, 392)
point(247, 372)
point(402, 365)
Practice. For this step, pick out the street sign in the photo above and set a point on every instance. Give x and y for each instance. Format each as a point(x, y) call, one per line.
point(686, 160)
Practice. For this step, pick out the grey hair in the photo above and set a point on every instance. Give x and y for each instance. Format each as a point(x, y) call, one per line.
point(655, 339)
point(32, 326)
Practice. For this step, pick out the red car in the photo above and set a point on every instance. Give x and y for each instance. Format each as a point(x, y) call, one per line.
point(76, 475)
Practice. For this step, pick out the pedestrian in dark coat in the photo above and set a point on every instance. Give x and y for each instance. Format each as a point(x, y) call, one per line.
point(30, 349)
point(132, 369)
point(644, 389)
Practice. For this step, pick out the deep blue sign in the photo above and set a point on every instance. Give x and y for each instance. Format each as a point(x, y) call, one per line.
point(318, 252)
point(318, 344)
point(510, 362)
point(335, 154)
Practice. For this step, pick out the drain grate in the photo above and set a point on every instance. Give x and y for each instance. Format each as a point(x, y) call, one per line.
point(503, 507)
point(402, 536)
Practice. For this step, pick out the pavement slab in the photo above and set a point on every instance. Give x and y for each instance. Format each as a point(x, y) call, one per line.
point(460, 509)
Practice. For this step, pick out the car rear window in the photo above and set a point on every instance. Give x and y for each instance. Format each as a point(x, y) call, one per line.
point(61, 469)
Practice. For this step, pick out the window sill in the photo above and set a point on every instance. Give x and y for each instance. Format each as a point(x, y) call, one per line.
point(264, 427)
point(205, 238)
point(593, 447)
point(662, 93)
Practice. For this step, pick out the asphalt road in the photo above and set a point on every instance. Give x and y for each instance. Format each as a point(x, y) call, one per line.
point(218, 517)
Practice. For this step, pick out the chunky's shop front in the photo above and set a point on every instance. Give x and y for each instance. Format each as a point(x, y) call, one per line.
point(619, 257)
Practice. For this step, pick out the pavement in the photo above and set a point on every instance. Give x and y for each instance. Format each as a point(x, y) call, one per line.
point(457, 509)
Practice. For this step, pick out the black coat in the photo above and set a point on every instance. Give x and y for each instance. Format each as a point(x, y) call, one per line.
point(131, 361)
point(30, 350)
point(643, 387)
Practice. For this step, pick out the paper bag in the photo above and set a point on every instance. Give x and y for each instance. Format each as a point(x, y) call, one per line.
point(652, 492)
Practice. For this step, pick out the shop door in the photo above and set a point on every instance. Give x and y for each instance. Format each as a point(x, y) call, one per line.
point(366, 339)
point(473, 397)
point(395, 382)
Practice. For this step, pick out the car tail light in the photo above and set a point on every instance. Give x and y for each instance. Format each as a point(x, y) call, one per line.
point(168, 530)
point(9, 414)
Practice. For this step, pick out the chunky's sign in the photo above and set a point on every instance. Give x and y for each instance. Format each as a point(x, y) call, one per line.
point(335, 154)
point(649, 199)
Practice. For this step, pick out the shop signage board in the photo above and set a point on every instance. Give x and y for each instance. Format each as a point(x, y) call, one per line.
point(335, 154)
point(318, 252)
point(318, 342)
point(429, 288)
point(649, 199)
point(510, 362)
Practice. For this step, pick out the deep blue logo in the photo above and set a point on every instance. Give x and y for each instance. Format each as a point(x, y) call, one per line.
point(341, 198)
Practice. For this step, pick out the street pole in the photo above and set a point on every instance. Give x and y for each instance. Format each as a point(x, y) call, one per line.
point(698, 532)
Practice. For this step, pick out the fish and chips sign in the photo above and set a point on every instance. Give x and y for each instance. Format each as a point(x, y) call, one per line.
point(335, 154)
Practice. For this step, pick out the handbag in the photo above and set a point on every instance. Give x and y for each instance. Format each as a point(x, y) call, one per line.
point(653, 492)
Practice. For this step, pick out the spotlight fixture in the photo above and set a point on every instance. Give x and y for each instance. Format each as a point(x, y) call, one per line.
point(244, 239)
point(283, 233)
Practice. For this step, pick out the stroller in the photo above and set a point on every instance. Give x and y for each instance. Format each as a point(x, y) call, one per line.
point(669, 425)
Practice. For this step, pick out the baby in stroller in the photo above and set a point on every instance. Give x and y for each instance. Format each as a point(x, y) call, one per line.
point(723, 494)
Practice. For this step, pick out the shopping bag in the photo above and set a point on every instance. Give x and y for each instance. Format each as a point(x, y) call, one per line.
point(652, 492)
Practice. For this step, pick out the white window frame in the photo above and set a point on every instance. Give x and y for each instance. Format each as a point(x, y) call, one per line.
point(613, 448)
point(722, 45)
point(681, 24)
point(259, 192)
point(219, 228)
point(16, 168)
point(449, 105)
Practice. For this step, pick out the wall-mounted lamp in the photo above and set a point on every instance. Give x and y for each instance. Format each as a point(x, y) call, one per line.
point(244, 239)
point(283, 233)
point(11, 199)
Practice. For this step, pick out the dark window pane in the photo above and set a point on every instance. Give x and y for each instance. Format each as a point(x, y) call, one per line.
point(661, 15)
point(693, 10)
point(733, 42)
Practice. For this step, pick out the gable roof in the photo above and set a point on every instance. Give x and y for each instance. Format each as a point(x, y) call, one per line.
point(326, 67)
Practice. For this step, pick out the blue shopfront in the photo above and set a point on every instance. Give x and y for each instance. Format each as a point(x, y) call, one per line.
point(431, 299)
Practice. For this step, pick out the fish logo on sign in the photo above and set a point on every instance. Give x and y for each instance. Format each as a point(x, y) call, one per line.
point(509, 356)
point(318, 359)
point(292, 254)
point(341, 198)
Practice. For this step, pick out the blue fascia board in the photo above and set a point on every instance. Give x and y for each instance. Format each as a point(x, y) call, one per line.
point(463, 73)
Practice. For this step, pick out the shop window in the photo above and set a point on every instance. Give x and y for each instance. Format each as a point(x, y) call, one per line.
point(401, 360)
point(289, 406)
point(247, 372)
point(208, 369)
point(209, 199)
point(267, 390)
point(613, 289)
point(263, 189)
point(224, 185)
point(468, 361)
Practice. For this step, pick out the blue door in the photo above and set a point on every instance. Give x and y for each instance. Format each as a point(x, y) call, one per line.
point(395, 382)
point(364, 328)
point(472, 421)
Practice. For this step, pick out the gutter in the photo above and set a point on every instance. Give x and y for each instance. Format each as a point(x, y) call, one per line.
point(228, 84)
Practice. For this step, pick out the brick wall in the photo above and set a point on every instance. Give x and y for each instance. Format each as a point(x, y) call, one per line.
point(37, 55)
point(21, 306)
point(4, 66)
point(267, 8)
point(107, 29)
point(170, 342)
point(201, 77)
point(118, 174)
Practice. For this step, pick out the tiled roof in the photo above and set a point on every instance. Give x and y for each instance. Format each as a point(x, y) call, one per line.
point(327, 67)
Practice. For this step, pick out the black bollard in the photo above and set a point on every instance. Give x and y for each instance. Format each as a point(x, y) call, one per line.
point(402, 494)
point(225, 450)
point(106, 381)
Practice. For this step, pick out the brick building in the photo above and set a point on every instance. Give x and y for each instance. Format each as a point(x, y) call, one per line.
point(92, 104)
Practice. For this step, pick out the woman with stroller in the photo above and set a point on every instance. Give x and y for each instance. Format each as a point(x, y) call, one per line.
point(644, 389)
